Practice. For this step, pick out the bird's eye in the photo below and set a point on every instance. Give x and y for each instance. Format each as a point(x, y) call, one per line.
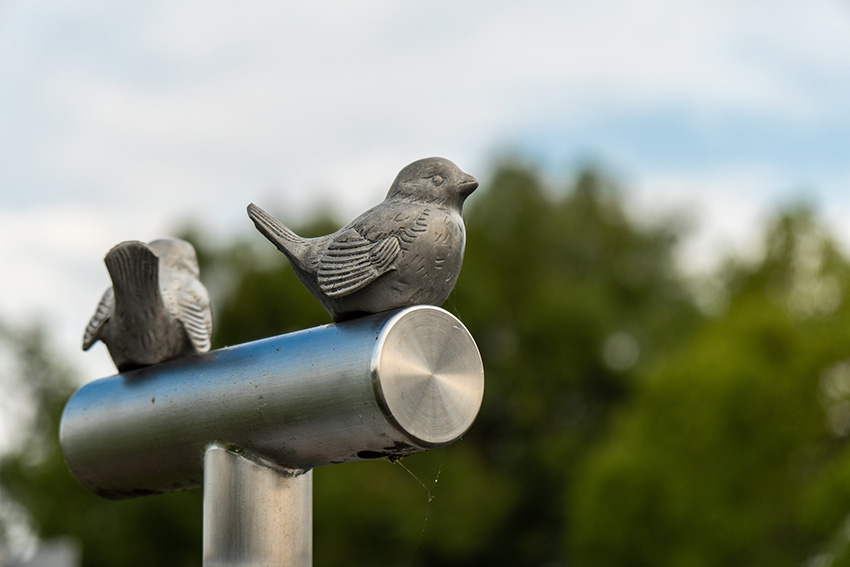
point(437, 180)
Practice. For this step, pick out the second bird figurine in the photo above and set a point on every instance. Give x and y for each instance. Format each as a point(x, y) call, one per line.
point(407, 250)
point(156, 310)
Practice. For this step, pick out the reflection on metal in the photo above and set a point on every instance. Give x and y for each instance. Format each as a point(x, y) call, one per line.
point(407, 250)
point(390, 384)
point(250, 422)
point(156, 310)
point(255, 514)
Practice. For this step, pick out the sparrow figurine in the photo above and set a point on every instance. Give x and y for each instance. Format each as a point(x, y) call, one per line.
point(156, 310)
point(407, 250)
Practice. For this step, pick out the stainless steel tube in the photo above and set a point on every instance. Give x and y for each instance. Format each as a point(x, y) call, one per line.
point(388, 384)
point(255, 514)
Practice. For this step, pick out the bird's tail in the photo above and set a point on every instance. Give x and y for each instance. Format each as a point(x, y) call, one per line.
point(286, 241)
point(134, 269)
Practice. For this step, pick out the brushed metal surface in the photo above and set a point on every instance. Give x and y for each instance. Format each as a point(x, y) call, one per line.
point(255, 515)
point(389, 384)
point(429, 382)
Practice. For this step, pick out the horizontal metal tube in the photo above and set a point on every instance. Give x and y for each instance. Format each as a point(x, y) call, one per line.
point(384, 385)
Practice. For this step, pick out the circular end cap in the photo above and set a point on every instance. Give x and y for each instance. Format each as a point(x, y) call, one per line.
point(428, 375)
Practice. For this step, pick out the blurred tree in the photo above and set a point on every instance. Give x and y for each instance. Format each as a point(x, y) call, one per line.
point(620, 425)
point(568, 298)
point(734, 452)
point(253, 291)
point(161, 530)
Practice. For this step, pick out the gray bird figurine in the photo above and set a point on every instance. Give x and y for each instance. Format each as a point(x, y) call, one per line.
point(156, 310)
point(407, 250)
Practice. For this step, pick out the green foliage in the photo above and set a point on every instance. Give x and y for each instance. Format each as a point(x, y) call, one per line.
point(727, 455)
point(620, 426)
point(162, 530)
point(253, 290)
point(568, 299)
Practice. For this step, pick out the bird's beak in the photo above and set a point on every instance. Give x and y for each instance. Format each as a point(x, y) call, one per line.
point(467, 185)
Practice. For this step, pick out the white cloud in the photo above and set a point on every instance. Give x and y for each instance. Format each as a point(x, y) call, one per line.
point(725, 209)
point(55, 275)
point(127, 118)
point(728, 209)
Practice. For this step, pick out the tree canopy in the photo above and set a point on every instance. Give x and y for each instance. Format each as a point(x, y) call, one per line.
point(623, 423)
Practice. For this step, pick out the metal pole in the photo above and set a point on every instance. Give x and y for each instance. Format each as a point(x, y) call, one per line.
point(385, 385)
point(250, 422)
point(254, 514)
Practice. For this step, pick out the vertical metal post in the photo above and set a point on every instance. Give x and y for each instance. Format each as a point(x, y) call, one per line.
point(255, 515)
point(263, 414)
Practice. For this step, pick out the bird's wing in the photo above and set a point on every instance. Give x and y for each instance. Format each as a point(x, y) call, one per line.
point(352, 262)
point(416, 227)
point(94, 329)
point(192, 306)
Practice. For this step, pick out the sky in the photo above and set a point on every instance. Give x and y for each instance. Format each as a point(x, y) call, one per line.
point(123, 121)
